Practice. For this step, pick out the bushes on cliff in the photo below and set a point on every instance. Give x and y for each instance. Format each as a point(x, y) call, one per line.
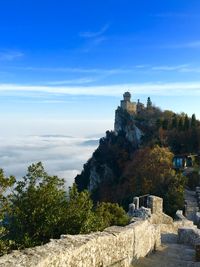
point(83, 217)
point(151, 172)
point(5, 184)
point(39, 208)
point(110, 214)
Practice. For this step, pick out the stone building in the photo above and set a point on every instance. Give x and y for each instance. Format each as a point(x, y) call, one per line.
point(127, 105)
point(140, 107)
point(131, 107)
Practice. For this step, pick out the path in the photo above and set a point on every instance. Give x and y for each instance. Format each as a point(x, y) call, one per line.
point(192, 205)
point(170, 254)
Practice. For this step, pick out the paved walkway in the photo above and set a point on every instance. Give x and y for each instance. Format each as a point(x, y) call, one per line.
point(192, 205)
point(170, 254)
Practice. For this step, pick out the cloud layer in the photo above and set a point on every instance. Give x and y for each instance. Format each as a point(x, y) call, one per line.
point(61, 155)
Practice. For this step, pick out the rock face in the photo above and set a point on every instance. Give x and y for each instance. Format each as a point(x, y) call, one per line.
point(107, 163)
point(125, 123)
point(95, 177)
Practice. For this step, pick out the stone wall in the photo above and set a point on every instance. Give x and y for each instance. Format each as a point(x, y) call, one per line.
point(116, 247)
point(189, 235)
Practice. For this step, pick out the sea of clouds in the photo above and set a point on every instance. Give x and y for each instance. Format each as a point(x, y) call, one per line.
point(61, 155)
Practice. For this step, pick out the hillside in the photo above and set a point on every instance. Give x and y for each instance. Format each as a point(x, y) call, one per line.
point(143, 144)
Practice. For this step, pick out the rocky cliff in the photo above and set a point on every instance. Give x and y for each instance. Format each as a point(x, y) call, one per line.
point(125, 123)
point(102, 174)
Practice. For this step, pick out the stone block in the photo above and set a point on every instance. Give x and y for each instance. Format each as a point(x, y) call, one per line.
point(155, 204)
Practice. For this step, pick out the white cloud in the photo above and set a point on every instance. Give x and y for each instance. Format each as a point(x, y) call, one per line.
point(74, 81)
point(61, 155)
point(90, 34)
point(170, 68)
point(153, 88)
point(76, 70)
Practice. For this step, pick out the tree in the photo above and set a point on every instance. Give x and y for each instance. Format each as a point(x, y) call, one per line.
point(165, 124)
point(151, 172)
point(174, 122)
point(149, 103)
point(84, 217)
point(80, 217)
point(38, 208)
point(186, 123)
point(180, 124)
point(111, 214)
point(5, 184)
point(193, 121)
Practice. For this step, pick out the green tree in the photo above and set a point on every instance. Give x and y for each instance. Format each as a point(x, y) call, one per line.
point(149, 103)
point(111, 214)
point(186, 123)
point(5, 184)
point(180, 124)
point(84, 217)
point(165, 124)
point(80, 217)
point(38, 208)
point(193, 121)
point(174, 122)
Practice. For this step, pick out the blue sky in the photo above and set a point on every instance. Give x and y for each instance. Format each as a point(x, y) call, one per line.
point(65, 64)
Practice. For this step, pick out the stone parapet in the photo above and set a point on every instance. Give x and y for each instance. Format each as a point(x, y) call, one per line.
point(115, 246)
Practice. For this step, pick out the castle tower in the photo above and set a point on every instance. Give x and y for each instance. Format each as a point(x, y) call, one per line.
point(126, 103)
point(127, 96)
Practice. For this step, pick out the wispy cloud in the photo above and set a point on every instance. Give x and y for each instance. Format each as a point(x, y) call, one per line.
point(174, 15)
point(98, 73)
point(73, 81)
point(76, 70)
point(176, 88)
point(9, 55)
point(93, 38)
point(177, 68)
point(190, 45)
point(170, 68)
point(90, 34)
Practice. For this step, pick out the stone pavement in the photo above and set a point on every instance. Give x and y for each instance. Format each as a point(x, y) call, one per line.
point(192, 206)
point(170, 254)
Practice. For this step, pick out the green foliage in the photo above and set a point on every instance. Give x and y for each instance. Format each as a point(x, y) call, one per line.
point(193, 121)
point(80, 217)
point(180, 124)
point(110, 158)
point(149, 103)
point(174, 122)
point(111, 214)
point(38, 208)
point(186, 123)
point(5, 184)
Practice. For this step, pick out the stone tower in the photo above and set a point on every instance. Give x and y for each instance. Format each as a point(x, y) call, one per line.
point(126, 103)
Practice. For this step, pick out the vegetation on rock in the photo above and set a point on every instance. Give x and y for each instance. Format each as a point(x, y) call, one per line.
point(145, 169)
point(39, 208)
